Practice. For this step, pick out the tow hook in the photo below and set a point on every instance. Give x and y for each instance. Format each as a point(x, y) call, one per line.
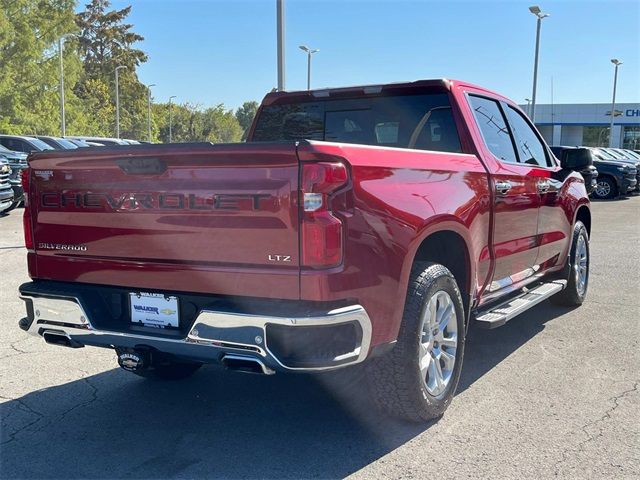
point(133, 360)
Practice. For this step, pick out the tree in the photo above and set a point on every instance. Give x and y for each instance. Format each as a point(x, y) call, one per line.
point(192, 124)
point(29, 78)
point(104, 43)
point(97, 100)
point(246, 113)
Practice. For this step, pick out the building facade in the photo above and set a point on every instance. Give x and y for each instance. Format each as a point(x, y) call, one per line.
point(588, 124)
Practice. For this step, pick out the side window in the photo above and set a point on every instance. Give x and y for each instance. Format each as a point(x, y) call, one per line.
point(9, 143)
point(493, 127)
point(530, 149)
point(16, 145)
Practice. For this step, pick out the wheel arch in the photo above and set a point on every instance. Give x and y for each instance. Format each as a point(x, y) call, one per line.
point(443, 244)
point(583, 214)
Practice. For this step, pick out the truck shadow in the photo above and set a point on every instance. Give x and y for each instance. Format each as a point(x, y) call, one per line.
point(219, 424)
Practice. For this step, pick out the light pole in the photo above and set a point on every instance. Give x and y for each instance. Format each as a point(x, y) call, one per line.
point(118, 101)
point(528, 100)
point(617, 63)
point(280, 45)
point(62, 115)
point(170, 116)
point(538, 13)
point(149, 109)
point(63, 123)
point(310, 52)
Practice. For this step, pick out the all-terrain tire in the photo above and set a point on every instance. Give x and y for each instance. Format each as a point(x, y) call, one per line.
point(395, 380)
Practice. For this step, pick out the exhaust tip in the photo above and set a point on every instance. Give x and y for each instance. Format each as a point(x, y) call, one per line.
point(241, 363)
point(60, 338)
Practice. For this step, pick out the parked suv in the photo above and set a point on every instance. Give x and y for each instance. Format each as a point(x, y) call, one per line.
point(571, 156)
point(57, 143)
point(628, 153)
point(624, 157)
point(614, 177)
point(17, 163)
point(24, 144)
point(6, 192)
point(103, 141)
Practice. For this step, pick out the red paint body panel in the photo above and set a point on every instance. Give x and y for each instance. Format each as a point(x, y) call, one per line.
point(399, 197)
point(394, 200)
point(208, 223)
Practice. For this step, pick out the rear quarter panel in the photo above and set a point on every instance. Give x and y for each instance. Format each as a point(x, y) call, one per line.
point(399, 197)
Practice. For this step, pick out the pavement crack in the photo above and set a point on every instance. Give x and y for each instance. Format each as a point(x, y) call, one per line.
point(24, 407)
point(19, 350)
point(585, 428)
point(94, 397)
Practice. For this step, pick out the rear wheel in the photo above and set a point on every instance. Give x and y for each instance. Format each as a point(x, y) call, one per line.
point(578, 280)
point(417, 380)
point(606, 188)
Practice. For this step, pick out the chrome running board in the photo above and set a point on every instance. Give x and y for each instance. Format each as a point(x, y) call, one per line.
point(497, 316)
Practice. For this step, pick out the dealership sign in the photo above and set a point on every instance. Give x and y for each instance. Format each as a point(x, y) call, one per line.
point(629, 112)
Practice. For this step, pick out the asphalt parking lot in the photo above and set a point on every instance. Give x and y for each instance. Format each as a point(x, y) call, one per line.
point(553, 393)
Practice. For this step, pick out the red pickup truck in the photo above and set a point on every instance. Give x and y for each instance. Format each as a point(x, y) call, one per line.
point(365, 224)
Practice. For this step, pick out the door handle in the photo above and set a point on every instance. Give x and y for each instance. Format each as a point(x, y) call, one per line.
point(543, 186)
point(503, 187)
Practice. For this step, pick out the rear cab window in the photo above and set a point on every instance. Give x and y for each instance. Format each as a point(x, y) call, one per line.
point(418, 121)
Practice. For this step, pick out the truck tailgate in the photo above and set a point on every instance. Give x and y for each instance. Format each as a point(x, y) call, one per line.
point(203, 216)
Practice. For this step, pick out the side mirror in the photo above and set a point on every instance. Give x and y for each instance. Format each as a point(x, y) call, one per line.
point(576, 159)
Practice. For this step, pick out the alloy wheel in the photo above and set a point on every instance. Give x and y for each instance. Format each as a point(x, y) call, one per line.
point(438, 342)
point(581, 265)
point(603, 189)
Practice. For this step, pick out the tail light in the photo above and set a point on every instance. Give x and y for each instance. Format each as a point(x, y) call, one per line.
point(26, 218)
point(321, 230)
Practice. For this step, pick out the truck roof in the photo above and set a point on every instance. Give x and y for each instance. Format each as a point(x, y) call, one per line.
point(362, 90)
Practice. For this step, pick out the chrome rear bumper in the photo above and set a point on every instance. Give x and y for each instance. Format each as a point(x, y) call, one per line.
point(213, 335)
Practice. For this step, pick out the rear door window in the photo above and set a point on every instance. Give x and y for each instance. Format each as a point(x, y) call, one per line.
point(530, 148)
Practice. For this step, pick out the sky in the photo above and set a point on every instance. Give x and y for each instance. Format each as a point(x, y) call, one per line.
point(209, 52)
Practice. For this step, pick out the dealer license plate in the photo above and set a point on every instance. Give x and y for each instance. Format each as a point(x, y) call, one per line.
point(154, 309)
